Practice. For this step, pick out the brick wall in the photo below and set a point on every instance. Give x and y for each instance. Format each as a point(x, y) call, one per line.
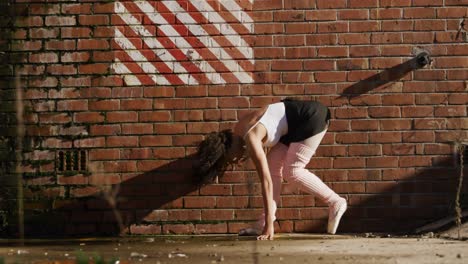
point(390, 148)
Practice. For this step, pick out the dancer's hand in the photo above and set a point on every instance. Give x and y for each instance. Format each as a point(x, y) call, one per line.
point(268, 233)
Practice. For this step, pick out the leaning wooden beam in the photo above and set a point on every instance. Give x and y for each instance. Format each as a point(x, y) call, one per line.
point(439, 223)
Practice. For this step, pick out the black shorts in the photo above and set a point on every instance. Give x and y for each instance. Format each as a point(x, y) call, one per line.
point(305, 119)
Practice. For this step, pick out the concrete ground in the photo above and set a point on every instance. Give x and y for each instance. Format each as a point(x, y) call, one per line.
point(286, 248)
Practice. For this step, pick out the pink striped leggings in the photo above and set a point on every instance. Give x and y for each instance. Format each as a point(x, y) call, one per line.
point(290, 162)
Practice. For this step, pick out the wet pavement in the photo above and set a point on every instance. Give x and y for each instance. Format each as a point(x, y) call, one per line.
point(286, 248)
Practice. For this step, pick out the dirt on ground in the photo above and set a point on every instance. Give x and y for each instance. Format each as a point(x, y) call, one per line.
point(286, 248)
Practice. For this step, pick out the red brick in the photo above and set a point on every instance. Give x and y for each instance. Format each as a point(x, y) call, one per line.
point(395, 124)
point(417, 111)
point(457, 74)
point(155, 229)
point(41, 9)
point(458, 98)
point(92, 44)
point(335, 27)
point(217, 214)
point(268, 5)
point(429, 25)
point(136, 104)
point(331, 4)
point(75, 9)
point(364, 51)
point(415, 161)
point(187, 140)
point(438, 149)
point(293, 77)
point(299, 53)
point(75, 82)
point(354, 39)
point(237, 102)
point(319, 65)
point(300, 4)
point(298, 28)
point(105, 105)
point(428, 2)
point(202, 127)
point(385, 137)
point(94, 142)
point(355, 14)
point(429, 75)
point(104, 129)
point(380, 187)
point(170, 128)
point(382, 162)
point(118, 117)
point(178, 229)
point(220, 228)
point(365, 150)
point(269, 28)
point(351, 112)
point(191, 91)
point(364, 125)
point(397, 25)
point(320, 15)
point(60, 21)
point(321, 39)
point(75, 32)
point(48, 57)
point(431, 99)
point(418, 37)
point(137, 129)
point(362, 3)
point(192, 115)
point(452, 62)
point(389, 13)
point(75, 57)
point(200, 103)
point(450, 12)
point(159, 91)
point(149, 141)
point(423, 12)
point(290, 15)
point(387, 37)
point(418, 136)
point(330, 76)
point(93, 20)
point(72, 105)
point(399, 149)
point(96, 68)
point(364, 26)
point(233, 90)
point(350, 138)
point(398, 99)
point(450, 136)
point(349, 163)
point(450, 111)
point(61, 69)
point(42, 33)
point(430, 123)
point(366, 174)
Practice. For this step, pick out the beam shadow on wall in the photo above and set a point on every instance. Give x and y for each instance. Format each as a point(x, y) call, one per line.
point(386, 76)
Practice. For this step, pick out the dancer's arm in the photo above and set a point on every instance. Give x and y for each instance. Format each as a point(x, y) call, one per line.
point(254, 145)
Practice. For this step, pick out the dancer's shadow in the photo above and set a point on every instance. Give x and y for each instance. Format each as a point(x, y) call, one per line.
point(113, 209)
point(386, 76)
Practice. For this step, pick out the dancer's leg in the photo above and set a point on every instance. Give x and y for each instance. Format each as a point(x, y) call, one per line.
point(298, 156)
point(275, 159)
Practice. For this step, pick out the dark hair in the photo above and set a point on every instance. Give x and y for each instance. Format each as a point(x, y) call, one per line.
point(211, 156)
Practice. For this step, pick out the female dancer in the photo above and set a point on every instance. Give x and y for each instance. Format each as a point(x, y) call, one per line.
point(294, 130)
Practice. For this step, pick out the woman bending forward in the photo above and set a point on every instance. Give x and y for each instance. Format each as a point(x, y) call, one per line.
point(293, 130)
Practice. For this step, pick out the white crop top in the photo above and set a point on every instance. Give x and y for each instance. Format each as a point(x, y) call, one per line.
point(275, 122)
